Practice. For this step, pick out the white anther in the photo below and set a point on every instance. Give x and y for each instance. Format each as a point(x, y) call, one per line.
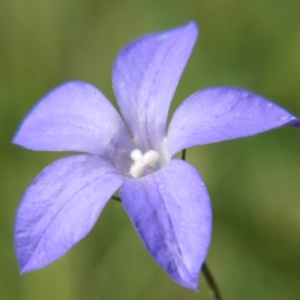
point(151, 158)
point(136, 155)
point(141, 163)
point(137, 169)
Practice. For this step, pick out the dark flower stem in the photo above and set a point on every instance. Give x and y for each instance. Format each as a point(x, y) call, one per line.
point(205, 270)
point(211, 282)
point(115, 198)
point(183, 154)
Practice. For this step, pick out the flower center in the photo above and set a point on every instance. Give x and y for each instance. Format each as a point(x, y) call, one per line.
point(142, 164)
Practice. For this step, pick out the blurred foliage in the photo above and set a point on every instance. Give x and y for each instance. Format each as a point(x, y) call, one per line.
point(254, 183)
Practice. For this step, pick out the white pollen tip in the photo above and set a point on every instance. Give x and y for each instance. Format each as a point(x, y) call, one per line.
point(151, 158)
point(137, 169)
point(136, 155)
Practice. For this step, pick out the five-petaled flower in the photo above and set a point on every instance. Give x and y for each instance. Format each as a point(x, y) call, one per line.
point(164, 197)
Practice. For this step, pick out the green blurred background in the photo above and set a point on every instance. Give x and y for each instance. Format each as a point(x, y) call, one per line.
point(254, 183)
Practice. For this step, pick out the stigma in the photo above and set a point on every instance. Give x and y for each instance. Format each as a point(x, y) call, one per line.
point(142, 164)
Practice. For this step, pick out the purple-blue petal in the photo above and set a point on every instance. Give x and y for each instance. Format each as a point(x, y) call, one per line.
point(223, 113)
point(60, 208)
point(293, 123)
point(171, 212)
point(74, 117)
point(145, 77)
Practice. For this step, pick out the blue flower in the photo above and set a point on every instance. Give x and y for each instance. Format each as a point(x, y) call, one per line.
point(164, 197)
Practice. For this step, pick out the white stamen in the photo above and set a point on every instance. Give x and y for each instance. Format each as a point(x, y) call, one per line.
point(136, 154)
point(141, 163)
point(137, 169)
point(151, 158)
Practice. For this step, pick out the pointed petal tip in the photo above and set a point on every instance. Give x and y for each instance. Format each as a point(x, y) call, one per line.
point(190, 28)
point(192, 284)
point(14, 140)
point(192, 25)
point(24, 270)
point(24, 267)
point(32, 265)
point(293, 123)
point(27, 265)
point(20, 141)
point(185, 277)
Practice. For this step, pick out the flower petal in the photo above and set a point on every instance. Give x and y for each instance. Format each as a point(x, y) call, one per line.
point(60, 208)
point(74, 117)
point(171, 211)
point(223, 113)
point(145, 77)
